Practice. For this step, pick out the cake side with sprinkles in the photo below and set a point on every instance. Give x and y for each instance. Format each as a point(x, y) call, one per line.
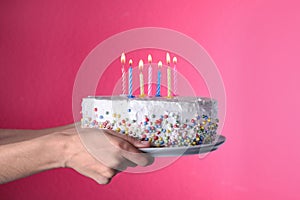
point(165, 122)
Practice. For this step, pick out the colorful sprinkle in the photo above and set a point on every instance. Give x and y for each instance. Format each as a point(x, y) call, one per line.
point(162, 130)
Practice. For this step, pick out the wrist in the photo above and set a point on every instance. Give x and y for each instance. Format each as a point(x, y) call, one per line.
point(52, 150)
point(65, 141)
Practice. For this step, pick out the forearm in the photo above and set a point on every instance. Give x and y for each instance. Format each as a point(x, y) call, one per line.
point(41, 150)
point(8, 136)
point(23, 158)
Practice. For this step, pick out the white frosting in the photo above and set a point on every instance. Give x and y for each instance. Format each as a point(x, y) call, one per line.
point(181, 118)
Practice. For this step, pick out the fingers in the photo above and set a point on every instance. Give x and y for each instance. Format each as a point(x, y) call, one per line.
point(130, 152)
point(131, 164)
point(107, 154)
point(109, 146)
point(104, 177)
point(141, 159)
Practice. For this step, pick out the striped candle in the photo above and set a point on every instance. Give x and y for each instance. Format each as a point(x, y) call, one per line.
point(169, 82)
point(130, 79)
point(175, 76)
point(123, 60)
point(158, 79)
point(141, 65)
point(149, 76)
point(169, 75)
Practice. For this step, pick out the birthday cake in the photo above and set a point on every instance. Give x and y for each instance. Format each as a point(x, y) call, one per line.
point(164, 121)
point(180, 121)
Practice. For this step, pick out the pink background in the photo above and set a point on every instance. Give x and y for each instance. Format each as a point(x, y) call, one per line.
point(255, 44)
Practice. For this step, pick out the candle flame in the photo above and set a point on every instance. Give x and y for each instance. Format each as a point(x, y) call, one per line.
point(123, 58)
point(159, 64)
point(130, 62)
point(168, 58)
point(175, 60)
point(141, 64)
point(149, 58)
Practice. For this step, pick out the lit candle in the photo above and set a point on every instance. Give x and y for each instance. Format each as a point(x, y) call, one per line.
point(149, 75)
point(130, 79)
point(158, 79)
point(169, 75)
point(123, 59)
point(175, 76)
point(141, 65)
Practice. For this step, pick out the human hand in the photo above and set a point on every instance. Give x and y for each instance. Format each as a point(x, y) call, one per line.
point(104, 153)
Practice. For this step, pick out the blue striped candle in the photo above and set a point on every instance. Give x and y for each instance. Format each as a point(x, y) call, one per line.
point(130, 79)
point(158, 79)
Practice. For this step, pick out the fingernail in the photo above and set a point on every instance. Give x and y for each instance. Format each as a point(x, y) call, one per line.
point(145, 142)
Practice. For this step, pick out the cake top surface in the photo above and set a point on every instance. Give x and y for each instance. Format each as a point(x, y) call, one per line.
point(173, 99)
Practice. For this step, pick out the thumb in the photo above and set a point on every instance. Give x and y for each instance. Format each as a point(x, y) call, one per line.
point(135, 142)
point(139, 143)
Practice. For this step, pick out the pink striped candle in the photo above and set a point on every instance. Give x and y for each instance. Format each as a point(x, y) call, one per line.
point(123, 60)
point(149, 76)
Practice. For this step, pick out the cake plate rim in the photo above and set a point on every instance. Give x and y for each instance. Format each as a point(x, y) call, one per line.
point(185, 150)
